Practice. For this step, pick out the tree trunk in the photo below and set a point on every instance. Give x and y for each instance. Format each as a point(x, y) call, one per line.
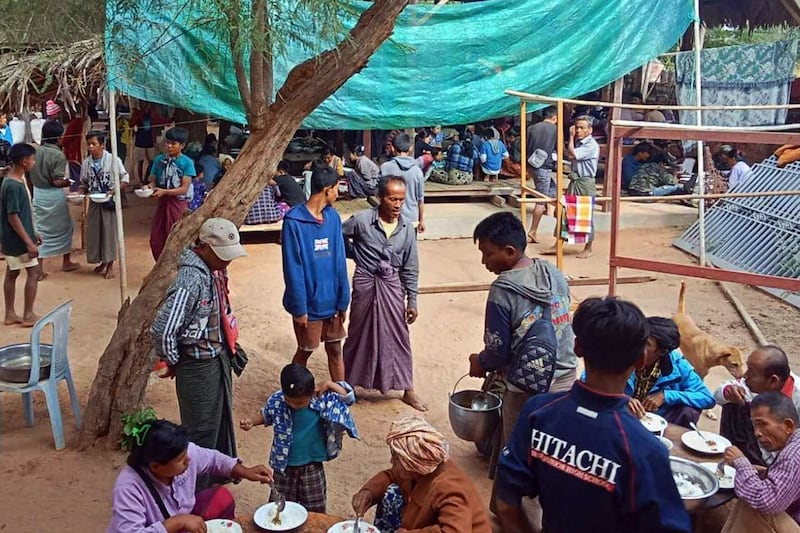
point(124, 367)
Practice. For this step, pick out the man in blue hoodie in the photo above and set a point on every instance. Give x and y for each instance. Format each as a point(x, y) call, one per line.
point(668, 384)
point(315, 272)
point(583, 447)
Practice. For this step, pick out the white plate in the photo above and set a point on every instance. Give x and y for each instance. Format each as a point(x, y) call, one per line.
point(666, 442)
point(654, 423)
point(725, 482)
point(694, 442)
point(143, 193)
point(293, 516)
point(347, 527)
point(99, 197)
point(76, 198)
point(223, 526)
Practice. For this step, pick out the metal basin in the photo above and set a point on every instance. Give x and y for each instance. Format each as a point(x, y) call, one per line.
point(15, 362)
point(698, 475)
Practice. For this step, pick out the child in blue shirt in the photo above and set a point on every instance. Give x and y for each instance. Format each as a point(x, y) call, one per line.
point(492, 153)
point(308, 423)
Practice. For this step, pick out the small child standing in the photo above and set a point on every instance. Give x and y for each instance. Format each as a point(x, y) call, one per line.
point(309, 423)
point(18, 239)
point(492, 152)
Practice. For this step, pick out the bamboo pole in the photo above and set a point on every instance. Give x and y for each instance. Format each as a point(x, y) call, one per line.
point(523, 150)
point(123, 269)
point(559, 185)
point(538, 98)
point(442, 288)
point(677, 198)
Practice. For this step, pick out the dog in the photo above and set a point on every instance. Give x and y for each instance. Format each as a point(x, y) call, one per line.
point(701, 349)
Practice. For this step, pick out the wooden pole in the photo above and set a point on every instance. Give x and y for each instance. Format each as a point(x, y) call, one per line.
point(616, 191)
point(678, 198)
point(368, 143)
point(123, 269)
point(559, 184)
point(612, 161)
point(740, 308)
point(523, 151)
point(484, 285)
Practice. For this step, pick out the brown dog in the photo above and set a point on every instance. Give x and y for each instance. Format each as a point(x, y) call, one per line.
point(701, 349)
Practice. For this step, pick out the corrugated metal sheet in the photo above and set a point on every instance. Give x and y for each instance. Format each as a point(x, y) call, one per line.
point(758, 235)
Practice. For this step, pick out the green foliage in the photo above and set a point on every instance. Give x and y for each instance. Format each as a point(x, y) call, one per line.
point(47, 22)
point(131, 421)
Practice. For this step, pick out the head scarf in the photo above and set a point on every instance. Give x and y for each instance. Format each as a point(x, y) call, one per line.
point(418, 446)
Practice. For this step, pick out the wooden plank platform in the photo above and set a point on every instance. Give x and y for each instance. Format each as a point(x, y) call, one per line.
point(474, 189)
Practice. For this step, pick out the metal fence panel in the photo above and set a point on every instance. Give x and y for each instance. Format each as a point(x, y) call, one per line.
point(757, 235)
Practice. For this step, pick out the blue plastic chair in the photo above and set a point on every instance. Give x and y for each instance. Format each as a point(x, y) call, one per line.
point(59, 370)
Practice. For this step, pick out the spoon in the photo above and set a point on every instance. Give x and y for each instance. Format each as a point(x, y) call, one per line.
point(280, 504)
point(710, 443)
point(480, 402)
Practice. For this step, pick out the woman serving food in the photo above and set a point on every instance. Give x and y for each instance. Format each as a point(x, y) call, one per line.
point(155, 492)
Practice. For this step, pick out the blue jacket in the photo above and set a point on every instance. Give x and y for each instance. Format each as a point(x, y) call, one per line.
point(331, 408)
point(585, 448)
point(629, 167)
point(314, 264)
point(680, 383)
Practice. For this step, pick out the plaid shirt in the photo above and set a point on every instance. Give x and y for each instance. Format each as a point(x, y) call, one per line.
point(458, 160)
point(779, 492)
point(332, 409)
point(265, 210)
point(644, 381)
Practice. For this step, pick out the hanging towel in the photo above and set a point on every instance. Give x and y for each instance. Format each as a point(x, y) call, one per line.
point(576, 227)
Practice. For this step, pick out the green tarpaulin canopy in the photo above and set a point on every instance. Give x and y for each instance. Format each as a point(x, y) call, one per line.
point(444, 64)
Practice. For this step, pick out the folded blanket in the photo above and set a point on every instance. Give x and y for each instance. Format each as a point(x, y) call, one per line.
point(576, 225)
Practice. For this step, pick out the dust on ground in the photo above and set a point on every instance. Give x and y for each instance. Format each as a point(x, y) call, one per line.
point(43, 489)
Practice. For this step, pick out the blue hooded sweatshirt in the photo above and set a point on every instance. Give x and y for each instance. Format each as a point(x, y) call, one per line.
point(680, 384)
point(314, 264)
point(584, 448)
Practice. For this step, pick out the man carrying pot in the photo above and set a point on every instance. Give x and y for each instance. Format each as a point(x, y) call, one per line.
point(527, 354)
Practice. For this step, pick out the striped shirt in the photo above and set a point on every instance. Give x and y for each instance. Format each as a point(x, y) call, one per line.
point(780, 491)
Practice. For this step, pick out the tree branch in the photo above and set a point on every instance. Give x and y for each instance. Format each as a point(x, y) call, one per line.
point(268, 72)
point(258, 105)
point(234, 21)
point(334, 67)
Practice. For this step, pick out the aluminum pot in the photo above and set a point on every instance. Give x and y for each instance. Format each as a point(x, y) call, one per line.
point(474, 425)
point(699, 475)
point(15, 362)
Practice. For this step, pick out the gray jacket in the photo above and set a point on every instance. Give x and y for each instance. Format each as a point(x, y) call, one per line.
point(182, 321)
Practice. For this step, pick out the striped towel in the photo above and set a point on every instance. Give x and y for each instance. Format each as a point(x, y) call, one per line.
point(576, 227)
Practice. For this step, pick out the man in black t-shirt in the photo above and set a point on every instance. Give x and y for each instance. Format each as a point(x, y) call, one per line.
point(291, 192)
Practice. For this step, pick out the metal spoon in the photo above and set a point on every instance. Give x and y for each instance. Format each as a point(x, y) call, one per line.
point(357, 525)
point(721, 469)
point(710, 443)
point(480, 402)
point(280, 504)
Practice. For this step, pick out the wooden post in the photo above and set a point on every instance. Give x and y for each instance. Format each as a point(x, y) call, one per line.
point(615, 147)
point(611, 162)
point(123, 269)
point(559, 184)
point(368, 143)
point(523, 151)
point(698, 91)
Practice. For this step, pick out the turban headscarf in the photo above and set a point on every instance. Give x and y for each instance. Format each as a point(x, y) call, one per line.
point(418, 446)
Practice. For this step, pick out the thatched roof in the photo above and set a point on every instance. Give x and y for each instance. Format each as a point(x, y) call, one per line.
point(750, 13)
point(68, 73)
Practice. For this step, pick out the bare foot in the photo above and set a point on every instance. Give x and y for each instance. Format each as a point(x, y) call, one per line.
point(29, 321)
point(12, 319)
point(532, 238)
point(584, 255)
point(42, 275)
point(70, 267)
point(109, 274)
point(549, 251)
point(100, 269)
point(410, 397)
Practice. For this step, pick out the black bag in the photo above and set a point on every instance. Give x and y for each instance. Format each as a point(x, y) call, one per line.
point(154, 493)
point(239, 360)
point(534, 361)
point(5, 148)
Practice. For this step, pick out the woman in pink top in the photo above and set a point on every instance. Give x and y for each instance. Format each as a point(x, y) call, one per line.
point(155, 493)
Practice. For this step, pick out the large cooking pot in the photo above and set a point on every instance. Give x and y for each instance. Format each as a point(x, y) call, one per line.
point(470, 424)
point(15, 362)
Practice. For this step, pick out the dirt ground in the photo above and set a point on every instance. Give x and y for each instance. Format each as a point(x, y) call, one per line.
point(70, 491)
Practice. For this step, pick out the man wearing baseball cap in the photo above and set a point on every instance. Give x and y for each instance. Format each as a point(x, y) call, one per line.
point(195, 334)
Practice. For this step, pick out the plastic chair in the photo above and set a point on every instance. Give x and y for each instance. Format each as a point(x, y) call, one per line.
point(59, 370)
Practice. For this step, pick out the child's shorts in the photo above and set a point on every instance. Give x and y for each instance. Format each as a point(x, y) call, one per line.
point(305, 485)
point(328, 330)
point(21, 262)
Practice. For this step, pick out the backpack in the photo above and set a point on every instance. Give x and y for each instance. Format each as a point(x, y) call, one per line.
point(535, 354)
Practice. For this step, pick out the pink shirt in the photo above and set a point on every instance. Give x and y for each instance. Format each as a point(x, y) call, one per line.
point(135, 511)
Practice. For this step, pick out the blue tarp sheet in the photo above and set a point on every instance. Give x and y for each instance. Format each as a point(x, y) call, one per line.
point(448, 65)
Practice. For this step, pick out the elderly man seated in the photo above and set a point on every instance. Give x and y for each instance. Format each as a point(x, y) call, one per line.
point(769, 499)
point(667, 384)
point(767, 371)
